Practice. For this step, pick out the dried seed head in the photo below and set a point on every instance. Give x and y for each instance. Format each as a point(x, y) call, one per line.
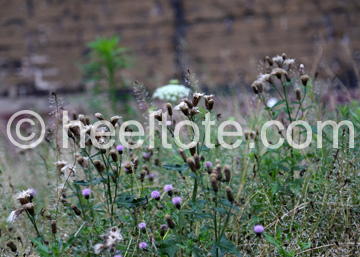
point(183, 154)
point(254, 88)
point(267, 58)
point(81, 118)
point(99, 165)
point(87, 120)
point(197, 161)
point(114, 120)
point(156, 161)
point(136, 163)
point(284, 56)
point(196, 98)
point(75, 209)
point(227, 173)
point(11, 245)
point(304, 79)
point(113, 155)
point(142, 176)
point(29, 207)
point(169, 221)
point(193, 150)
point(191, 164)
point(288, 79)
point(169, 109)
point(210, 105)
point(298, 94)
point(99, 116)
point(53, 227)
point(128, 168)
point(189, 104)
point(229, 194)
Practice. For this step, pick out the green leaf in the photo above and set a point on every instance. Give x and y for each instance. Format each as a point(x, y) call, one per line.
point(176, 167)
point(168, 248)
point(128, 201)
point(204, 148)
point(271, 240)
point(277, 104)
point(225, 246)
point(40, 247)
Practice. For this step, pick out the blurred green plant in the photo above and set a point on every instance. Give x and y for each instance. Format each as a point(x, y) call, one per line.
point(105, 61)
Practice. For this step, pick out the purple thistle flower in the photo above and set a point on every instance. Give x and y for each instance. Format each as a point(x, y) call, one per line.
point(151, 176)
point(86, 193)
point(163, 229)
point(142, 225)
point(208, 165)
point(146, 155)
point(120, 149)
point(32, 192)
point(143, 245)
point(156, 195)
point(258, 229)
point(168, 188)
point(118, 255)
point(168, 123)
point(177, 201)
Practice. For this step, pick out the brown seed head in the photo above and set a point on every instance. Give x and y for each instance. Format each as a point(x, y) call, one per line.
point(191, 164)
point(229, 194)
point(169, 221)
point(227, 173)
point(169, 109)
point(304, 79)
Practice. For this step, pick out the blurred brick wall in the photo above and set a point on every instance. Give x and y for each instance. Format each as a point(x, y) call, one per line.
point(43, 41)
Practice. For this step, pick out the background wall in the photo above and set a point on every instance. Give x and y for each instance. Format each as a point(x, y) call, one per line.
point(43, 41)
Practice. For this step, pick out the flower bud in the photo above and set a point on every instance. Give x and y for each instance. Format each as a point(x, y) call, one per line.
point(169, 221)
point(214, 184)
point(229, 194)
point(169, 109)
point(11, 245)
point(99, 166)
point(183, 154)
point(99, 116)
point(142, 176)
point(218, 172)
point(113, 155)
point(53, 227)
point(197, 161)
point(191, 164)
point(298, 94)
point(304, 79)
point(227, 173)
point(193, 150)
point(75, 209)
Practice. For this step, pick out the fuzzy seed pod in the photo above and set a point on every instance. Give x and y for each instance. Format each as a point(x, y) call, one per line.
point(53, 227)
point(284, 56)
point(113, 155)
point(191, 164)
point(99, 116)
point(229, 194)
point(189, 104)
point(227, 173)
point(218, 172)
point(11, 245)
point(183, 154)
point(193, 150)
point(169, 109)
point(214, 184)
point(196, 99)
point(288, 79)
point(185, 110)
point(267, 58)
point(75, 209)
point(298, 94)
point(259, 86)
point(99, 166)
point(210, 105)
point(169, 221)
point(114, 120)
point(304, 79)
point(87, 120)
point(197, 161)
point(254, 88)
point(29, 207)
point(142, 176)
point(81, 118)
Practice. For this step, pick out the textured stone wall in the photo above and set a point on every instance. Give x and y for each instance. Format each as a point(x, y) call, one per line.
point(43, 41)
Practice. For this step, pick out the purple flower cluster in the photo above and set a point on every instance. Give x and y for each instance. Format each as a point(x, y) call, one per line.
point(143, 245)
point(258, 229)
point(177, 201)
point(86, 193)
